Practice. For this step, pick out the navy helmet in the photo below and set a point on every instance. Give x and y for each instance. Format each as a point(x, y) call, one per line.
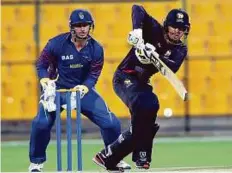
point(80, 16)
point(177, 18)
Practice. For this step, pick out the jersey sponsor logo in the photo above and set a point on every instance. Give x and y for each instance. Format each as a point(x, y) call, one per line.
point(66, 57)
point(167, 54)
point(127, 82)
point(76, 65)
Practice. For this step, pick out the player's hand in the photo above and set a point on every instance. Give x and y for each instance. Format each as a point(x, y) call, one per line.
point(49, 87)
point(143, 53)
point(135, 37)
point(49, 94)
point(44, 82)
point(140, 54)
point(83, 90)
point(49, 104)
point(150, 49)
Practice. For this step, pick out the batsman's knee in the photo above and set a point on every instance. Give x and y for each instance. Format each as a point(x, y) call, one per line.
point(155, 129)
point(146, 103)
point(146, 109)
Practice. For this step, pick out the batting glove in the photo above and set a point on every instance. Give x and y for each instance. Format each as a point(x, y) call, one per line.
point(150, 49)
point(143, 53)
point(135, 37)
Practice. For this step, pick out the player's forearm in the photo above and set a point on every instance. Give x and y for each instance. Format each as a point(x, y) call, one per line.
point(171, 64)
point(138, 16)
point(41, 70)
point(42, 73)
point(94, 74)
point(175, 60)
point(92, 79)
point(90, 82)
point(42, 65)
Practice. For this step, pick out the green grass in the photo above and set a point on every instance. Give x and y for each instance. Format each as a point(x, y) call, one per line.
point(196, 153)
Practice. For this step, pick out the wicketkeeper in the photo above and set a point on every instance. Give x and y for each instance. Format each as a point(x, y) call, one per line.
point(77, 60)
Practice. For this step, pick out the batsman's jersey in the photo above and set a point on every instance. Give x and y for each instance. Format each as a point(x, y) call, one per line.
point(153, 33)
point(73, 67)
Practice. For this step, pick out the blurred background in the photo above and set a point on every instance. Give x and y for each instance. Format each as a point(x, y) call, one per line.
point(207, 72)
point(27, 25)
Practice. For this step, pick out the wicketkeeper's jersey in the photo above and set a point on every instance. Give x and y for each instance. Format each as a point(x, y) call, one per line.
point(74, 67)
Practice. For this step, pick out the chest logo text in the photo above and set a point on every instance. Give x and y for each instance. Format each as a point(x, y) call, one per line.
point(67, 57)
point(76, 65)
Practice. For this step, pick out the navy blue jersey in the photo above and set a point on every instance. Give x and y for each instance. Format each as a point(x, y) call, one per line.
point(153, 33)
point(73, 67)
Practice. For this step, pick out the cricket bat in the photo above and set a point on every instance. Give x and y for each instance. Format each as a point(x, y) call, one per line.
point(170, 76)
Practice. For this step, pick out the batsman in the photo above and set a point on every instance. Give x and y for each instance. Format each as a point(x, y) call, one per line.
point(131, 82)
point(71, 60)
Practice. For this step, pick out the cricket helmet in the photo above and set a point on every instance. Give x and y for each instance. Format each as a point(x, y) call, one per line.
point(177, 18)
point(80, 16)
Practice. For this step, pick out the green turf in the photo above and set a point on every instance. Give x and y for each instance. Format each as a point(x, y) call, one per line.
point(168, 154)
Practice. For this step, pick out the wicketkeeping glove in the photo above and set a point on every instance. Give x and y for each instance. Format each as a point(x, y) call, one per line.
point(49, 94)
point(49, 104)
point(83, 90)
point(44, 82)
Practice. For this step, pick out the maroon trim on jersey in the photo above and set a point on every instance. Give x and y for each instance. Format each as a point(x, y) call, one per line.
point(130, 71)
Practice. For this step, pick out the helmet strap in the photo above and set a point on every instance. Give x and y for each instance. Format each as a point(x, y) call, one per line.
point(76, 38)
point(171, 41)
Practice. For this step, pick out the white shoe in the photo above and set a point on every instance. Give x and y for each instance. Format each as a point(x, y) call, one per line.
point(35, 167)
point(123, 165)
